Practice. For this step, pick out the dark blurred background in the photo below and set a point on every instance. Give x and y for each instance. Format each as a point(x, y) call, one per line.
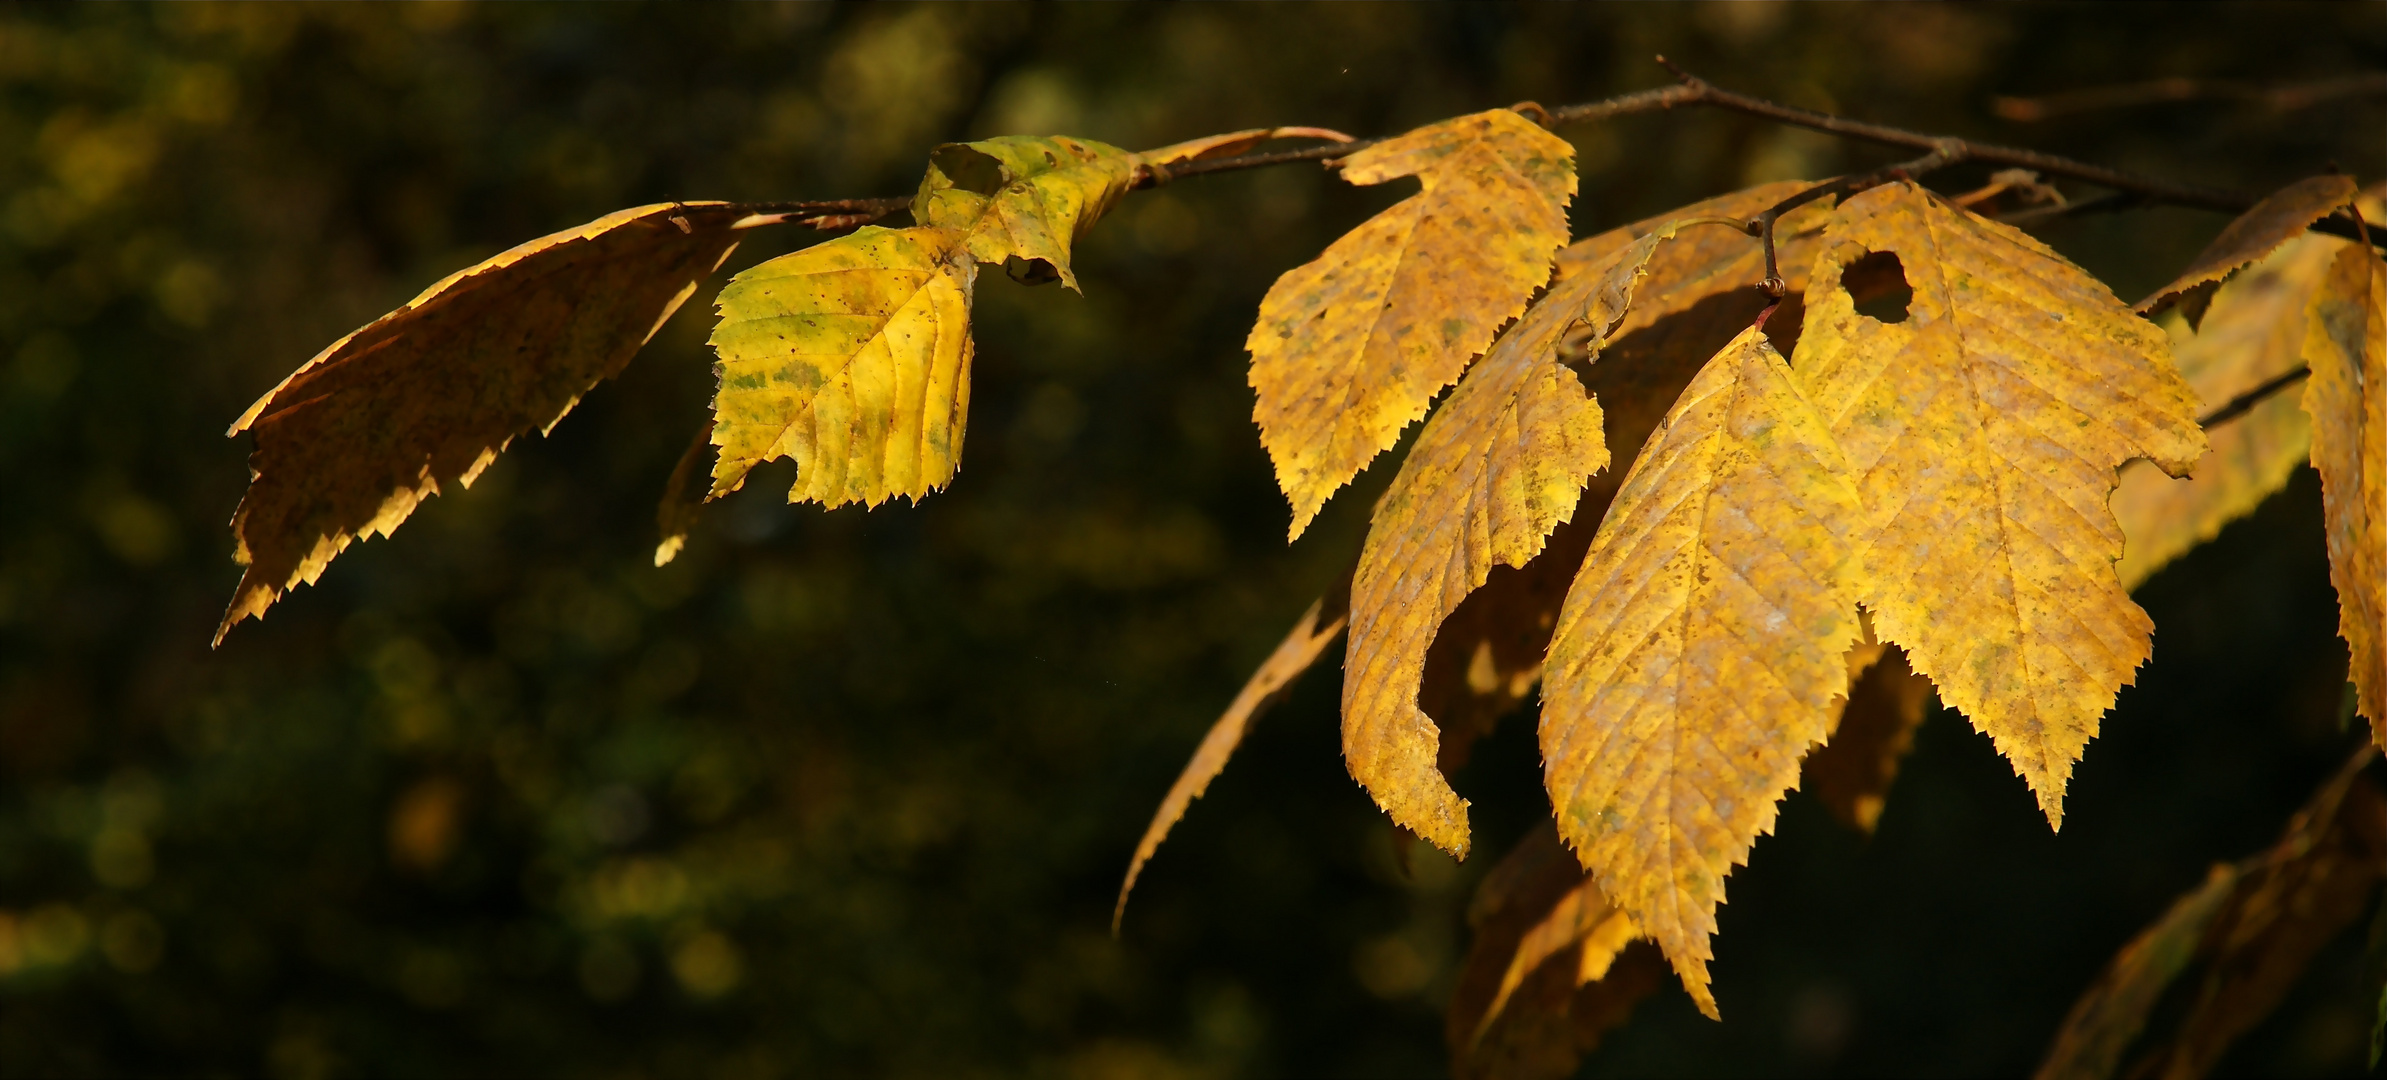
point(849, 793)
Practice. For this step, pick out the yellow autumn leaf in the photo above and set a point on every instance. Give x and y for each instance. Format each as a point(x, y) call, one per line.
point(1351, 347)
point(1311, 634)
point(1502, 463)
point(2253, 333)
point(1020, 201)
point(2279, 218)
point(2346, 343)
point(1984, 428)
point(683, 498)
point(1493, 471)
point(429, 394)
point(1232, 143)
point(1701, 648)
point(853, 358)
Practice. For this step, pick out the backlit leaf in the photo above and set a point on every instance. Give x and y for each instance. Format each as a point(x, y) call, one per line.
point(1701, 648)
point(1984, 427)
point(429, 394)
point(2253, 333)
point(1350, 348)
point(1021, 201)
point(1500, 465)
point(852, 357)
point(2276, 220)
point(1665, 301)
point(2346, 344)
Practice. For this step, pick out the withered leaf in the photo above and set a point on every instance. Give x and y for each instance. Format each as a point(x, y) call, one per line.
point(1984, 429)
point(683, 499)
point(1701, 648)
point(852, 357)
point(2346, 343)
point(2249, 932)
point(1552, 968)
point(2281, 217)
point(429, 394)
point(1350, 348)
point(1311, 634)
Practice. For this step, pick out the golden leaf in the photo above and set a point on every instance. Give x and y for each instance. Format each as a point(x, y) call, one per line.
point(1351, 347)
point(1851, 773)
point(2252, 334)
point(1491, 473)
point(1311, 634)
point(2251, 930)
point(1501, 463)
point(429, 394)
point(1984, 428)
point(853, 358)
point(2346, 343)
point(1551, 970)
point(1701, 648)
point(1022, 201)
point(2276, 220)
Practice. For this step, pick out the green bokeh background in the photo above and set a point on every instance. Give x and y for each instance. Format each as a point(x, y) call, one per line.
point(848, 793)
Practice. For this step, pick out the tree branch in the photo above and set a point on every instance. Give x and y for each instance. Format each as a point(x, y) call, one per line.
point(2245, 403)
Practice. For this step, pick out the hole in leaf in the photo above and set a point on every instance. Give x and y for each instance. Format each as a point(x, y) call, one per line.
point(970, 169)
point(1877, 283)
point(1030, 271)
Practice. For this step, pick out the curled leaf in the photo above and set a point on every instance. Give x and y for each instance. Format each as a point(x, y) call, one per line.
point(1350, 347)
point(2345, 342)
point(1311, 634)
point(2281, 217)
point(429, 394)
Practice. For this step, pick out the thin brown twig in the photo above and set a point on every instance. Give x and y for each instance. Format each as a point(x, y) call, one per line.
point(2245, 403)
point(2277, 99)
point(1949, 152)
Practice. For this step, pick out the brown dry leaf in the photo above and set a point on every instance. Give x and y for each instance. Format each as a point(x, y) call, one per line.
point(1552, 968)
point(1701, 648)
point(1984, 429)
point(2250, 930)
point(2253, 333)
point(2346, 344)
point(1233, 143)
point(853, 358)
point(429, 394)
point(1351, 347)
point(1487, 657)
point(1852, 772)
point(1311, 634)
point(2109, 1017)
point(2258, 232)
